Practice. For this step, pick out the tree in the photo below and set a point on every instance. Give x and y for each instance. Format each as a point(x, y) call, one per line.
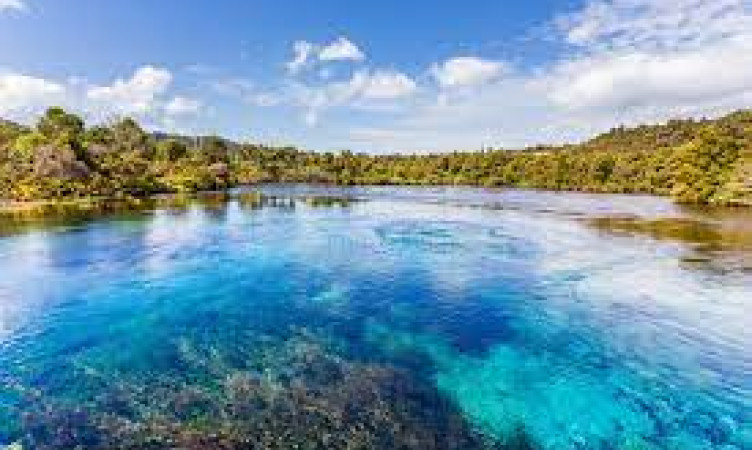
point(213, 149)
point(703, 166)
point(170, 150)
point(128, 135)
point(57, 124)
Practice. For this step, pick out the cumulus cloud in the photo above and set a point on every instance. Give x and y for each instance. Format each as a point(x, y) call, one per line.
point(659, 54)
point(466, 71)
point(138, 94)
point(508, 113)
point(12, 5)
point(22, 95)
point(638, 79)
point(364, 90)
point(147, 95)
point(383, 84)
point(340, 50)
point(305, 53)
point(620, 62)
point(182, 106)
point(655, 24)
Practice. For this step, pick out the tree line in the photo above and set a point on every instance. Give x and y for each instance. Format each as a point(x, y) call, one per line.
point(693, 161)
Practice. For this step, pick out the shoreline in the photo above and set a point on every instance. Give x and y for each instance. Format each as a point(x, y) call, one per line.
point(20, 208)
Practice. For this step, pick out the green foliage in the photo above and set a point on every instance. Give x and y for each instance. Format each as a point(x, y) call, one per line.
point(170, 150)
point(693, 161)
point(25, 144)
point(703, 166)
point(57, 123)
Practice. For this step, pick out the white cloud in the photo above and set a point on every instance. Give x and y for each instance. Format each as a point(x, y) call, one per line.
point(146, 95)
point(662, 55)
point(182, 106)
point(506, 113)
point(265, 99)
point(340, 50)
point(622, 62)
point(303, 51)
point(466, 71)
point(383, 84)
point(655, 24)
point(619, 62)
point(306, 54)
point(12, 5)
point(669, 79)
point(136, 95)
point(367, 90)
point(246, 91)
point(22, 95)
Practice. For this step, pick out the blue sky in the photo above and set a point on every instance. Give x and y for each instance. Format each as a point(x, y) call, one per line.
point(381, 76)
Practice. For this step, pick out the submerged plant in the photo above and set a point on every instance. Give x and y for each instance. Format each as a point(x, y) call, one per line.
point(293, 393)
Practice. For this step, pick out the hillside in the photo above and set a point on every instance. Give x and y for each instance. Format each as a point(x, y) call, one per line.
point(693, 161)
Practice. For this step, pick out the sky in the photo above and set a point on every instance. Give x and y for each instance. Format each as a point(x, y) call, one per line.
point(378, 76)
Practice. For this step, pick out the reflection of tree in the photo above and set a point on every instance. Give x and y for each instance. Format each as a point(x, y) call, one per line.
point(328, 201)
point(724, 244)
point(214, 205)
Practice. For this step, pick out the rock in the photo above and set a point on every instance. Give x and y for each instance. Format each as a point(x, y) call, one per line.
point(59, 162)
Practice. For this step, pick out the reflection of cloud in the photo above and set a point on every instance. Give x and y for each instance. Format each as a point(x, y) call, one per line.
point(25, 285)
point(170, 237)
point(634, 291)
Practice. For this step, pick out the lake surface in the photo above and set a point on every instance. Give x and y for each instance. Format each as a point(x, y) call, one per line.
point(388, 318)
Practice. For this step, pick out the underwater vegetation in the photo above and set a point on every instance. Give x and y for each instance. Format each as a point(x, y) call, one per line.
point(295, 394)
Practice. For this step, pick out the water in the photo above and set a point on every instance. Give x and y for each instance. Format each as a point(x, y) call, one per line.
point(380, 318)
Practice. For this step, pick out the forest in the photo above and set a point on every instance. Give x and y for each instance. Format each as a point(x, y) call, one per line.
point(706, 161)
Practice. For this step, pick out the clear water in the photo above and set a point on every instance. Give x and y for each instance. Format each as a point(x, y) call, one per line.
point(507, 312)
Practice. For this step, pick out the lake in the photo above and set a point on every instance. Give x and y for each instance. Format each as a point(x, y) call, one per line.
point(313, 317)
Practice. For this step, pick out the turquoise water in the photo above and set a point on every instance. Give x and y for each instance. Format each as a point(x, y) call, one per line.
point(374, 318)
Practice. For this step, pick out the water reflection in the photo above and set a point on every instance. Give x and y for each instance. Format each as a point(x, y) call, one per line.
point(214, 205)
point(717, 240)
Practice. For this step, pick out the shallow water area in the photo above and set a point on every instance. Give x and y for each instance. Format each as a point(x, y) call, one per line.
point(376, 317)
